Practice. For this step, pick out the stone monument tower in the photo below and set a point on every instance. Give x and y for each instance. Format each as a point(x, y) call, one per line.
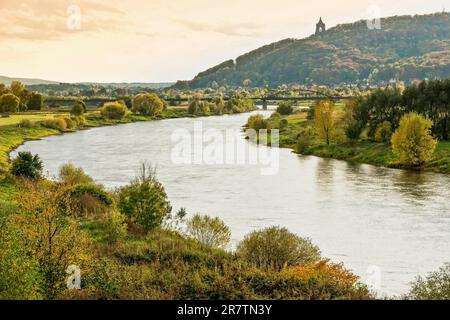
point(320, 27)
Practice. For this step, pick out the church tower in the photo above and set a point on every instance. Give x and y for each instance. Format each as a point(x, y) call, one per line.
point(320, 27)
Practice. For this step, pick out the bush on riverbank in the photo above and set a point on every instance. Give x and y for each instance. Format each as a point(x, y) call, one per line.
point(435, 286)
point(114, 110)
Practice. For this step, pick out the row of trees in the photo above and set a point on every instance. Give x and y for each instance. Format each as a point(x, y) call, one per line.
point(430, 99)
point(18, 98)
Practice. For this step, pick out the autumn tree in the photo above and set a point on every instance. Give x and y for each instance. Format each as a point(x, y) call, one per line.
point(52, 237)
point(413, 143)
point(208, 230)
point(35, 101)
point(9, 103)
point(324, 119)
point(147, 104)
point(144, 200)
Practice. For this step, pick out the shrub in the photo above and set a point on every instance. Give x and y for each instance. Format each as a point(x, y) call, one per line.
point(311, 113)
point(78, 108)
point(195, 106)
point(435, 286)
point(256, 122)
point(412, 142)
point(69, 123)
point(303, 143)
point(353, 130)
point(115, 227)
point(88, 199)
point(147, 104)
point(26, 165)
point(71, 175)
point(114, 110)
point(79, 121)
point(144, 200)
point(330, 281)
point(19, 273)
point(276, 248)
point(56, 123)
point(275, 115)
point(285, 108)
point(383, 133)
point(283, 124)
point(26, 123)
point(210, 231)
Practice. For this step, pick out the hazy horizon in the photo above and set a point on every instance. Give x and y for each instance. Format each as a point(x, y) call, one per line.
point(156, 41)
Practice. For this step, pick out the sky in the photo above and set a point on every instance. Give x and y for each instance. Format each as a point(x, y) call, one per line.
point(161, 40)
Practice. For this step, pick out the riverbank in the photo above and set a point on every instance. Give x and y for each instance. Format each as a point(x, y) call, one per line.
point(364, 151)
point(12, 135)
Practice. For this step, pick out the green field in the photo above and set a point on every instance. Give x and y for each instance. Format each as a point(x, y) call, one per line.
point(15, 119)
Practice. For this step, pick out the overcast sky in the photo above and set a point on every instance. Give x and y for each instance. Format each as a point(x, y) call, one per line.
point(160, 40)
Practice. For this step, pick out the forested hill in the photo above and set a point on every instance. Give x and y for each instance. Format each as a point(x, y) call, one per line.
point(405, 48)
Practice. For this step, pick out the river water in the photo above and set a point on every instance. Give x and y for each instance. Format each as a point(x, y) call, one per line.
point(386, 225)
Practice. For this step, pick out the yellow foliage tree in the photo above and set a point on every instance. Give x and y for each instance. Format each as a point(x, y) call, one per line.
point(413, 143)
point(52, 237)
point(324, 119)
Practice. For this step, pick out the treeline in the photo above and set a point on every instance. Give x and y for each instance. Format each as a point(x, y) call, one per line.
point(18, 98)
point(429, 98)
point(236, 104)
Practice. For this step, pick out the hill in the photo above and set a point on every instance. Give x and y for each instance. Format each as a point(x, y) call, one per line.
point(405, 48)
point(26, 81)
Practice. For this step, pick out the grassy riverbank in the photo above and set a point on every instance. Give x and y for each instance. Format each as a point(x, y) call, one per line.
point(13, 135)
point(363, 151)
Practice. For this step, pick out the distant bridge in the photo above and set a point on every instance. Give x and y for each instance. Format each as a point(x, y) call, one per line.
point(263, 99)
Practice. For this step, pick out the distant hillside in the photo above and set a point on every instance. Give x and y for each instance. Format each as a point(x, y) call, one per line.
point(43, 85)
point(7, 81)
point(405, 48)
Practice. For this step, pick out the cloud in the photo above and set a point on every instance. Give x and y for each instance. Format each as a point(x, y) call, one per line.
point(228, 29)
point(48, 20)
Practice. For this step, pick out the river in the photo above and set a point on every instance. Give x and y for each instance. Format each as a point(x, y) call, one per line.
point(386, 225)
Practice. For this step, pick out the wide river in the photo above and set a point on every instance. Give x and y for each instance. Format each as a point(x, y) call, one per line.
point(386, 225)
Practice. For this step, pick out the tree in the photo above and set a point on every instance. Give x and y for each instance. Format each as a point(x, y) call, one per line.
point(144, 200)
point(147, 104)
point(53, 238)
point(17, 88)
point(35, 102)
point(69, 174)
point(257, 122)
point(383, 132)
point(195, 106)
point(285, 108)
point(114, 110)
point(276, 247)
point(9, 103)
point(26, 165)
point(210, 231)
point(79, 108)
point(115, 227)
point(353, 130)
point(412, 142)
point(19, 273)
point(435, 286)
point(324, 119)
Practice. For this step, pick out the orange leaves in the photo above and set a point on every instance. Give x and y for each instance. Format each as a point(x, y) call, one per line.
point(325, 271)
